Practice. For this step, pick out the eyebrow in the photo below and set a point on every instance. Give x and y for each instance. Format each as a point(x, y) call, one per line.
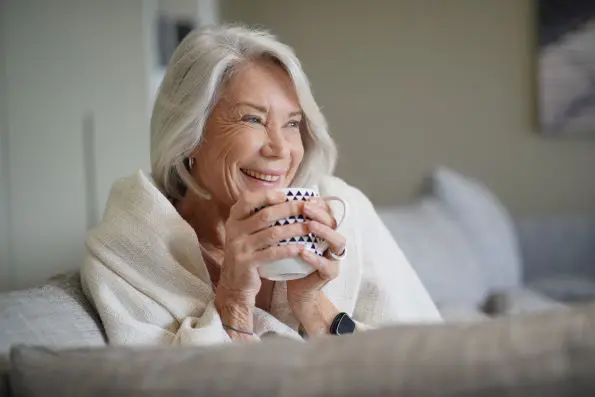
point(262, 109)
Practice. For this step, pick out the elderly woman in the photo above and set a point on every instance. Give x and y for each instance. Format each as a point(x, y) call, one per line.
point(176, 258)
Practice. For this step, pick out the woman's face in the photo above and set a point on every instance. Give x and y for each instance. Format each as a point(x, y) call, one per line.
point(252, 137)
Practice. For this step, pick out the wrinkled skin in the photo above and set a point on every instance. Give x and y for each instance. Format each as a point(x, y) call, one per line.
point(252, 146)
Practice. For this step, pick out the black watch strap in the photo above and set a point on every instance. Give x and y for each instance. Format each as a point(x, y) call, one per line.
point(342, 324)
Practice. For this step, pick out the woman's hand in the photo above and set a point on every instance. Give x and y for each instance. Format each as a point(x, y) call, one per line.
point(251, 241)
point(304, 295)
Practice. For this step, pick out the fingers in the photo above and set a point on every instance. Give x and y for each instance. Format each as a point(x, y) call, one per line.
point(334, 239)
point(251, 201)
point(273, 235)
point(320, 211)
point(326, 268)
point(269, 215)
point(275, 253)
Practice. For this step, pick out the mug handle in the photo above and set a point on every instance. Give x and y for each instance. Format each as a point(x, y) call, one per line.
point(345, 207)
point(323, 245)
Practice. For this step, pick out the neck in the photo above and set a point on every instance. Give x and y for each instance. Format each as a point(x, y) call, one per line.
point(206, 218)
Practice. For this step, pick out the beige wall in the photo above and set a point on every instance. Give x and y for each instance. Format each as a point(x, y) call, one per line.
point(178, 8)
point(407, 84)
point(74, 69)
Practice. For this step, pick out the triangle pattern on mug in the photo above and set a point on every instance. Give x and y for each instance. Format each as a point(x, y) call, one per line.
point(290, 220)
point(300, 194)
point(314, 249)
point(309, 241)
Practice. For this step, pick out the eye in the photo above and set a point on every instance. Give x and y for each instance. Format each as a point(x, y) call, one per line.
point(293, 124)
point(252, 119)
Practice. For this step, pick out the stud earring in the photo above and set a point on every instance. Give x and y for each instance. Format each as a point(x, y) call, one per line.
point(190, 163)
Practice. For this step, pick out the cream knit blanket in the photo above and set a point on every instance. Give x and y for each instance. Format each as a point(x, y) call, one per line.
point(145, 275)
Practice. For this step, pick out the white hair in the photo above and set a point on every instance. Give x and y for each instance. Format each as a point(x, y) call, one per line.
point(202, 62)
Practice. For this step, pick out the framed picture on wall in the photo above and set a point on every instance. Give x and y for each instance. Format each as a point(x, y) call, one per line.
point(566, 63)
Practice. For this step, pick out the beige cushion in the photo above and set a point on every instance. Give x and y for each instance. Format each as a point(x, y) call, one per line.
point(546, 354)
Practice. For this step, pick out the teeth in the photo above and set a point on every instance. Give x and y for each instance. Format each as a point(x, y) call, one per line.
point(262, 177)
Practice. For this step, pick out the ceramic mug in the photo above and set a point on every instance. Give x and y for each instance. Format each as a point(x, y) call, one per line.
point(294, 268)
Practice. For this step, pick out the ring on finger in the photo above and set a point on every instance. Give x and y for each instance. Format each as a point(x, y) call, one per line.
point(338, 257)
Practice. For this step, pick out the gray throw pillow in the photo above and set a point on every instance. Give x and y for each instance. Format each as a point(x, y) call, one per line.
point(55, 314)
point(486, 221)
point(546, 354)
point(438, 250)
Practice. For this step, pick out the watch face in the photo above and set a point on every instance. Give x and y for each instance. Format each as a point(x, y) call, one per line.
point(345, 325)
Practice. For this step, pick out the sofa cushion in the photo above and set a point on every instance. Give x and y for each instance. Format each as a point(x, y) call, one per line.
point(487, 224)
point(54, 314)
point(547, 354)
point(438, 250)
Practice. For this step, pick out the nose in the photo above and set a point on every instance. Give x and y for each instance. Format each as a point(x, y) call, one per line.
point(276, 144)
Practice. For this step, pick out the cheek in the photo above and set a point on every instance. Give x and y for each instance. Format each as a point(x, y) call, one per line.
point(214, 153)
point(243, 147)
point(249, 141)
point(297, 150)
point(232, 144)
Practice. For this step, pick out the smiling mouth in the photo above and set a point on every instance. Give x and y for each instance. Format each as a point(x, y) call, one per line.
point(260, 176)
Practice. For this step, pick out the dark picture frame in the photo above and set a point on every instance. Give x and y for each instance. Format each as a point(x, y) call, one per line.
point(566, 63)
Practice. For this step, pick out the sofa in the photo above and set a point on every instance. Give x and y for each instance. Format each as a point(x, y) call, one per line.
point(498, 282)
point(58, 349)
point(551, 353)
point(477, 260)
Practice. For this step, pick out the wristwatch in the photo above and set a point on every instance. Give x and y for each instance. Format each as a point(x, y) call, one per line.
point(342, 324)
